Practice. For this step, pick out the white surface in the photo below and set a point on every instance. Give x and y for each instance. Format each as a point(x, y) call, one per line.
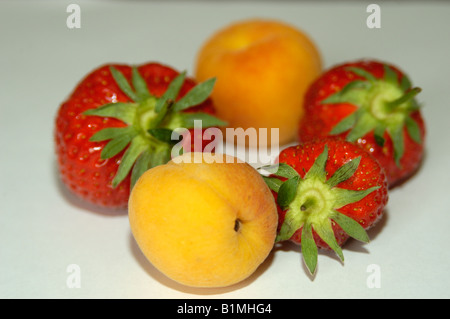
point(43, 230)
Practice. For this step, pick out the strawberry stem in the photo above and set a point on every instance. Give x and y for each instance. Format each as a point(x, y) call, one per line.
point(383, 105)
point(150, 120)
point(391, 106)
point(311, 204)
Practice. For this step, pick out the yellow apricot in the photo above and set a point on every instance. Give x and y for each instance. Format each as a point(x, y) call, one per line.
point(262, 68)
point(203, 224)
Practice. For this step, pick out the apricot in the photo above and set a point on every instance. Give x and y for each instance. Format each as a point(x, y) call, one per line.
point(203, 223)
point(263, 68)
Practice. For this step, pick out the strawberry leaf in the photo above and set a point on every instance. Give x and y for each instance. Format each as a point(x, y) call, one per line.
point(207, 120)
point(195, 96)
point(149, 159)
point(171, 93)
point(351, 227)
point(378, 134)
point(287, 191)
point(345, 124)
point(163, 134)
point(362, 73)
point(139, 85)
point(309, 248)
point(348, 196)
point(405, 83)
point(317, 170)
point(351, 93)
point(123, 84)
point(111, 133)
point(363, 125)
point(325, 231)
point(160, 156)
point(137, 146)
point(116, 145)
point(413, 129)
point(398, 143)
point(390, 75)
point(344, 172)
point(281, 169)
point(161, 114)
point(141, 165)
point(273, 183)
point(125, 112)
point(292, 222)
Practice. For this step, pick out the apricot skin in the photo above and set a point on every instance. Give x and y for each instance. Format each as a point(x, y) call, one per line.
point(263, 68)
point(201, 224)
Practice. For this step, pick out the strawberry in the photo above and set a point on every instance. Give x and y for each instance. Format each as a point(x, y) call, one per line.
point(326, 191)
point(118, 122)
point(372, 104)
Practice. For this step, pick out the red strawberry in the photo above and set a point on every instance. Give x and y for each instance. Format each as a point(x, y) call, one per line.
point(326, 191)
point(372, 104)
point(118, 122)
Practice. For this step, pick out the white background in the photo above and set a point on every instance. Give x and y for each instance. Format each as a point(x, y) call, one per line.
point(43, 229)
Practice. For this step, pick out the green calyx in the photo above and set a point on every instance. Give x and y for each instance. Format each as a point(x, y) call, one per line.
point(312, 203)
point(384, 105)
point(152, 123)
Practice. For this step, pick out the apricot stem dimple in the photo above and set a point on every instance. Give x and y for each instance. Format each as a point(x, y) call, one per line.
point(237, 225)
